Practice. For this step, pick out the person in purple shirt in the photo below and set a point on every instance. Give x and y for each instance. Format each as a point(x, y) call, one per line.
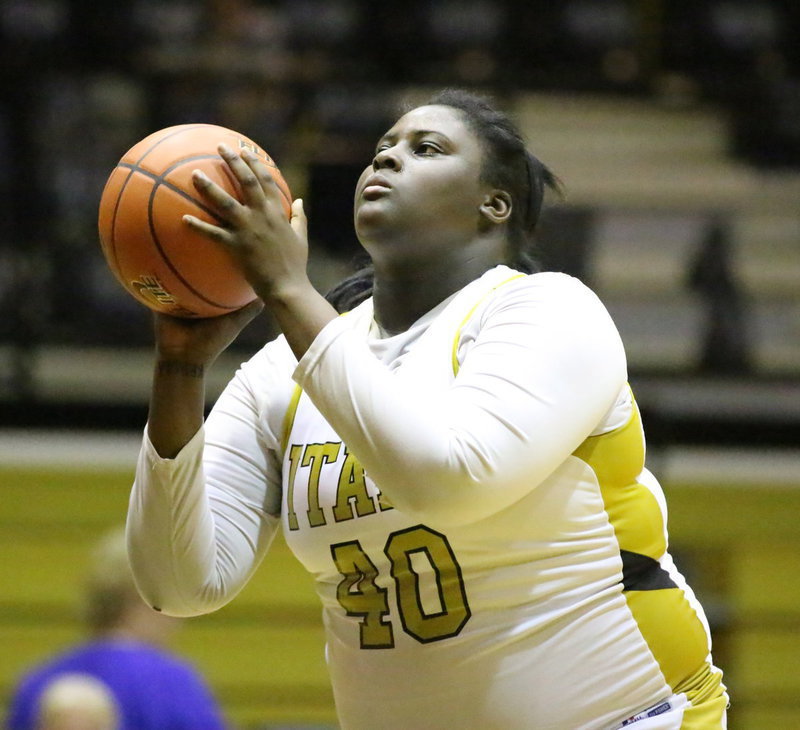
point(152, 689)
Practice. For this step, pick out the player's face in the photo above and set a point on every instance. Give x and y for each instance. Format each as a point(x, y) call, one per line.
point(423, 187)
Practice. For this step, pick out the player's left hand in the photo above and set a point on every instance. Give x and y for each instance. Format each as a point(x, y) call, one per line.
point(271, 250)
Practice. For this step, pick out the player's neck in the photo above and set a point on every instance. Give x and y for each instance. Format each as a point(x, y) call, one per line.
point(401, 297)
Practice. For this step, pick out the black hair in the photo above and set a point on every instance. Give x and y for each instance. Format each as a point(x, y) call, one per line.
point(507, 164)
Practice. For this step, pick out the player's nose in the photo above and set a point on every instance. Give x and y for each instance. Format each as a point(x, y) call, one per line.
point(386, 159)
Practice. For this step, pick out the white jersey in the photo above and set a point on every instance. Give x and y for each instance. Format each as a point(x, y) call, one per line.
point(471, 498)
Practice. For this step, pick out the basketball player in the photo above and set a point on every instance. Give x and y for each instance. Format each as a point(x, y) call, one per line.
point(458, 460)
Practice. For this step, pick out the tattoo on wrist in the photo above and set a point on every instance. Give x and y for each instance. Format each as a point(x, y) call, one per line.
point(176, 367)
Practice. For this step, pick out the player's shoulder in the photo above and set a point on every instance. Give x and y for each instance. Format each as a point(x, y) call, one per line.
point(564, 291)
point(555, 302)
point(552, 282)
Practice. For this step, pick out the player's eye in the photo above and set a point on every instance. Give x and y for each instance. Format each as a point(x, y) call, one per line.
point(427, 148)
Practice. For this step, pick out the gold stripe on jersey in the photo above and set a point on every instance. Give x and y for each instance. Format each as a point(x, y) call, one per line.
point(706, 693)
point(617, 459)
point(288, 417)
point(672, 630)
point(667, 621)
point(457, 339)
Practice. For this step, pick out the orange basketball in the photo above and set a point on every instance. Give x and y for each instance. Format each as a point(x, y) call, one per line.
point(153, 253)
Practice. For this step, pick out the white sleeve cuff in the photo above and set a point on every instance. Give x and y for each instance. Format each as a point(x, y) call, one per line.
point(191, 453)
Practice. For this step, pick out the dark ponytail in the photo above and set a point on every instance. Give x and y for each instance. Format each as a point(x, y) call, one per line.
point(354, 289)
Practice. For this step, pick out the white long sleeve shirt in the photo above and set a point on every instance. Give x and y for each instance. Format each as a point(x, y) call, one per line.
point(468, 495)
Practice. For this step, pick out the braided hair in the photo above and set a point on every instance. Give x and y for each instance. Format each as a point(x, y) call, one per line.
point(507, 164)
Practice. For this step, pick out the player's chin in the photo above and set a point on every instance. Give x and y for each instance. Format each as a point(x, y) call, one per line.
point(371, 214)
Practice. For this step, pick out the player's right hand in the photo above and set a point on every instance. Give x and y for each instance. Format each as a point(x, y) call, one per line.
point(200, 341)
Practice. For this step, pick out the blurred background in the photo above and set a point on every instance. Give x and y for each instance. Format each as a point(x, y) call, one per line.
point(675, 127)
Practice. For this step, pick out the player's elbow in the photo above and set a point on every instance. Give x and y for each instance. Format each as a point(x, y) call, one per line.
point(447, 497)
point(471, 484)
point(169, 602)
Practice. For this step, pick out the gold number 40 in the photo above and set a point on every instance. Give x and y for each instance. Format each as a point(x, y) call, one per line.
point(360, 595)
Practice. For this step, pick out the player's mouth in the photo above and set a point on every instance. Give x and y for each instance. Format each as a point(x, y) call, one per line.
point(375, 186)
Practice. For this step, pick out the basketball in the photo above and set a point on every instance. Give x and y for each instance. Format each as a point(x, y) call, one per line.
point(151, 251)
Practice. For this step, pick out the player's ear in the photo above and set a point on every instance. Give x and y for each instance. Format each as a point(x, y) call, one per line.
point(496, 206)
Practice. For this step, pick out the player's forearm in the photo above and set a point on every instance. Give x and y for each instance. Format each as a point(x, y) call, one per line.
point(177, 404)
point(301, 313)
point(172, 535)
point(201, 520)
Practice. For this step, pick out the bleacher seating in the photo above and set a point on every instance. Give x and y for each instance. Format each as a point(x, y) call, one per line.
point(656, 178)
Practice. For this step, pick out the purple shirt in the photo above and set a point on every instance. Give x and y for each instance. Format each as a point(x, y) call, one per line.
point(154, 690)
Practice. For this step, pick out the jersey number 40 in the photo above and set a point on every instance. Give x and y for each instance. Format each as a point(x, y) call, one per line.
point(431, 598)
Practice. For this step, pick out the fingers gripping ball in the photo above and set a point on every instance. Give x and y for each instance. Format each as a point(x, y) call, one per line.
point(151, 251)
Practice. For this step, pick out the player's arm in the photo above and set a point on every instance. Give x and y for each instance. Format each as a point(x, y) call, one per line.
point(199, 523)
point(185, 349)
point(545, 367)
point(202, 508)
